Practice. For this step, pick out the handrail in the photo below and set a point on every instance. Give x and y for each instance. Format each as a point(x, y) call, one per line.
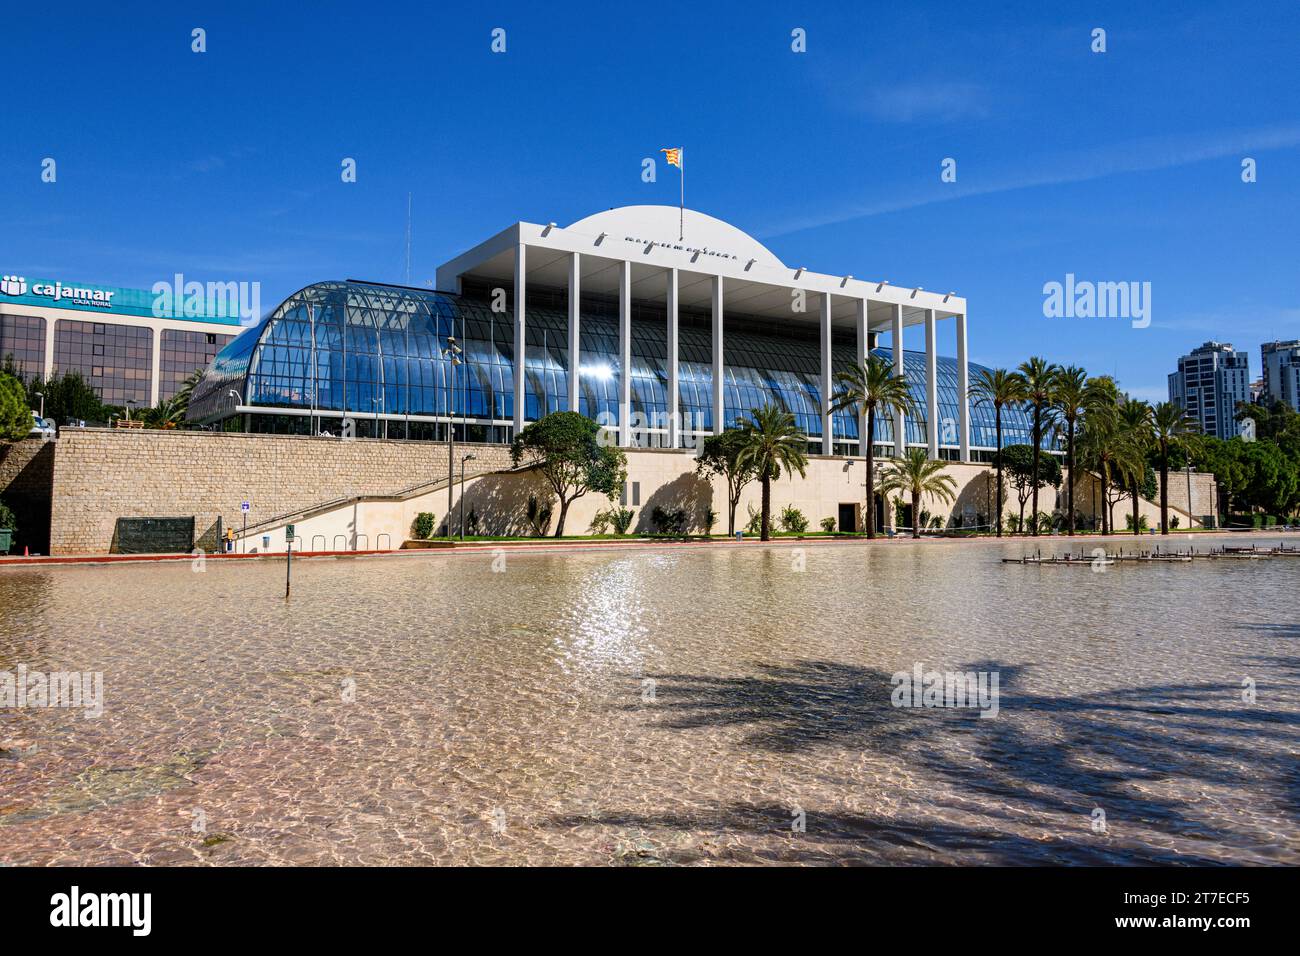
point(434, 484)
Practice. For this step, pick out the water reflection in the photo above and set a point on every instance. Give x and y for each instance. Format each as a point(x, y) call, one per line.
point(482, 696)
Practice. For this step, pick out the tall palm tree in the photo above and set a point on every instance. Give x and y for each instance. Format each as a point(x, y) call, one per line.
point(872, 386)
point(1039, 377)
point(1135, 425)
point(999, 388)
point(915, 474)
point(1096, 448)
point(1073, 397)
point(772, 443)
point(1171, 429)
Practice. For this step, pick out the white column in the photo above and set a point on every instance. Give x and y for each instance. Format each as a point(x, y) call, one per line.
point(861, 354)
point(575, 263)
point(719, 368)
point(828, 437)
point(963, 388)
point(931, 387)
point(900, 420)
point(521, 268)
point(625, 354)
point(156, 371)
point(48, 372)
point(673, 386)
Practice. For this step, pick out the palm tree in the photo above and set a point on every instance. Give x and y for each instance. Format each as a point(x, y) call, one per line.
point(772, 443)
point(1074, 396)
point(1039, 377)
point(872, 386)
point(1170, 429)
point(916, 474)
point(1135, 425)
point(999, 388)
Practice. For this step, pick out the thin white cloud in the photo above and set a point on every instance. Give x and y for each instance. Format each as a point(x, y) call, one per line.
point(1134, 156)
point(927, 101)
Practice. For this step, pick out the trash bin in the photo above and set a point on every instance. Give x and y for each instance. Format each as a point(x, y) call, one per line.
point(6, 539)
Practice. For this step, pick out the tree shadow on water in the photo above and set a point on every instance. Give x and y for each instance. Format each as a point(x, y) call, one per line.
point(1145, 754)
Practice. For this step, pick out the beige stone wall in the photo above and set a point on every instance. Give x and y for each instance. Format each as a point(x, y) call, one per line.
point(103, 474)
point(100, 475)
point(667, 478)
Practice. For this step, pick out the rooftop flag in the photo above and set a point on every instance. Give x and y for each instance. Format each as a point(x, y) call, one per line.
point(674, 156)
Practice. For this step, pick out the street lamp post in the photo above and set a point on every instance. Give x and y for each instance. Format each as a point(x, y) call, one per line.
point(127, 406)
point(464, 458)
point(239, 400)
point(452, 352)
point(41, 396)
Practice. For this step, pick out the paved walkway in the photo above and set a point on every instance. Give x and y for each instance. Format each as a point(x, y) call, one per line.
point(529, 545)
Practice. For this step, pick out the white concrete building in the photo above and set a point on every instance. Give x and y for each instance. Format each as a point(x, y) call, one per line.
point(640, 254)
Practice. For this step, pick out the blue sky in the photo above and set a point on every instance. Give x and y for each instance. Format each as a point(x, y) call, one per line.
point(1121, 166)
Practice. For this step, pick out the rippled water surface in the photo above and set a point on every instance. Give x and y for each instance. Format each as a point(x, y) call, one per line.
point(655, 706)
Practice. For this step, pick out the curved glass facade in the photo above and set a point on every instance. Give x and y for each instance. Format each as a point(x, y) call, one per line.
point(375, 353)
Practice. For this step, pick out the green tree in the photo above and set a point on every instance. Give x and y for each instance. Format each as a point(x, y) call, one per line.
point(15, 413)
point(1171, 430)
point(68, 396)
point(1021, 466)
point(772, 443)
point(571, 457)
point(1076, 396)
point(1039, 377)
point(1270, 479)
point(999, 388)
point(874, 388)
point(720, 455)
point(1133, 417)
point(915, 474)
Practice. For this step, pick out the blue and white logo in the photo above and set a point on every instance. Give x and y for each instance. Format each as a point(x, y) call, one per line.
point(13, 285)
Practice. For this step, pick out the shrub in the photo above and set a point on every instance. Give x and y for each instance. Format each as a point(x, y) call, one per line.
point(755, 523)
point(668, 522)
point(828, 524)
point(471, 523)
point(793, 520)
point(7, 519)
point(1173, 521)
point(622, 520)
point(1142, 523)
point(619, 519)
point(422, 526)
point(710, 519)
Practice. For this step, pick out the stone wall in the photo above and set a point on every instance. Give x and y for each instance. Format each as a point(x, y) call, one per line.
point(26, 476)
point(100, 475)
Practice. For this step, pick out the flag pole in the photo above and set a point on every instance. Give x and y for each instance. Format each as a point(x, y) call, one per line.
point(681, 218)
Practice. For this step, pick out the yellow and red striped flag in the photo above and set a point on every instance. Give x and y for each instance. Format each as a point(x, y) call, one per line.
point(673, 155)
